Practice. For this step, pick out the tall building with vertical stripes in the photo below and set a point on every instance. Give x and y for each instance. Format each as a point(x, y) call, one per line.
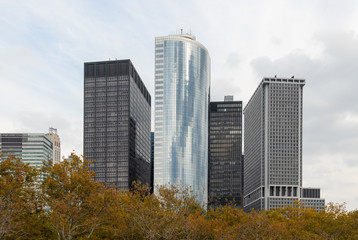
point(117, 122)
point(225, 180)
point(273, 146)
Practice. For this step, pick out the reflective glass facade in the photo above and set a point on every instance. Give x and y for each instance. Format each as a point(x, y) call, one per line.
point(182, 83)
point(225, 180)
point(117, 121)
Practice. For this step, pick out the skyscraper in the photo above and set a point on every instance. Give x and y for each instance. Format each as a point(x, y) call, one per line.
point(225, 180)
point(33, 148)
point(116, 123)
point(273, 145)
point(152, 161)
point(182, 83)
point(56, 143)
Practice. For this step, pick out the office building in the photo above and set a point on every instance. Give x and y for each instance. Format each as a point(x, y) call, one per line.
point(273, 145)
point(182, 83)
point(117, 108)
point(225, 177)
point(56, 143)
point(152, 161)
point(311, 198)
point(33, 148)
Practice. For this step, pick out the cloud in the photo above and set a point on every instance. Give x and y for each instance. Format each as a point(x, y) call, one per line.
point(233, 60)
point(351, 161)
point(69, 129)
point(333, 175)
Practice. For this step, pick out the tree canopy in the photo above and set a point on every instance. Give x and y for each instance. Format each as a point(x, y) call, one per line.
point(68, 204)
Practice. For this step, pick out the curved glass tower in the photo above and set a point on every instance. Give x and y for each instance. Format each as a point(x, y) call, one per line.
point(182, 85)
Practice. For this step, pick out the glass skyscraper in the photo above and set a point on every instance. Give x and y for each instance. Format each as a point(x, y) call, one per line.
point(225, 153)
point(182, 85)
point(117, 109)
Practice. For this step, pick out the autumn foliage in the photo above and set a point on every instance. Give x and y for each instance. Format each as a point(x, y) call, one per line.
point(67, 204)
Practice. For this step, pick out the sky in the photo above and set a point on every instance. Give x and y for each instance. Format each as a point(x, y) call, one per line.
point(44, 44)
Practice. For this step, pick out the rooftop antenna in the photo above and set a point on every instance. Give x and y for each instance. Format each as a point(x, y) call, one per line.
point(181, 31)
point(52, 130)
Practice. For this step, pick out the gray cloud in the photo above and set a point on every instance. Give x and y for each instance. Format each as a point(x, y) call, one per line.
point(69, 130)
point(351, 161)
point(330, 96)
point(233, 60)
point(223, 87)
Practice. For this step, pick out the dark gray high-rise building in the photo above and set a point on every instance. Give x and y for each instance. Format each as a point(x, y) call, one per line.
point(273, 146)
point(225, 180)
point(152, 161)
point(117, 115)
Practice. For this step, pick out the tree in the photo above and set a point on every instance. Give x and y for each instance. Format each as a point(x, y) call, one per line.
point(164, 215)
point(335, 222)
point(75, 202)
point(68, 205)
point(20, 200)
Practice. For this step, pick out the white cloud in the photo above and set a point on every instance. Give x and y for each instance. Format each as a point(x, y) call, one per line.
point(349, 118)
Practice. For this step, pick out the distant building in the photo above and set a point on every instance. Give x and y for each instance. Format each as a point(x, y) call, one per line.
point(69, 158)
point(273, 145)
point(228, 98)
point(56, 143)
point(117, 122)
point(311, 198)
point(225, 153)
point(33, 148)
point(182, 83)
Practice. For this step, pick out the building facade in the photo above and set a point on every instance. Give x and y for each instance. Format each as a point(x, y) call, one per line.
point(225, 179)
point(182, 84)
point(311, 198)
point(33, 148)
point(56, 143)
point(117, 122)
point(152, 161)
point(273, 144)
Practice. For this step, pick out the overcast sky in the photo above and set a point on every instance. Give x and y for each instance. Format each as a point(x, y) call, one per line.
point(43, 45)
